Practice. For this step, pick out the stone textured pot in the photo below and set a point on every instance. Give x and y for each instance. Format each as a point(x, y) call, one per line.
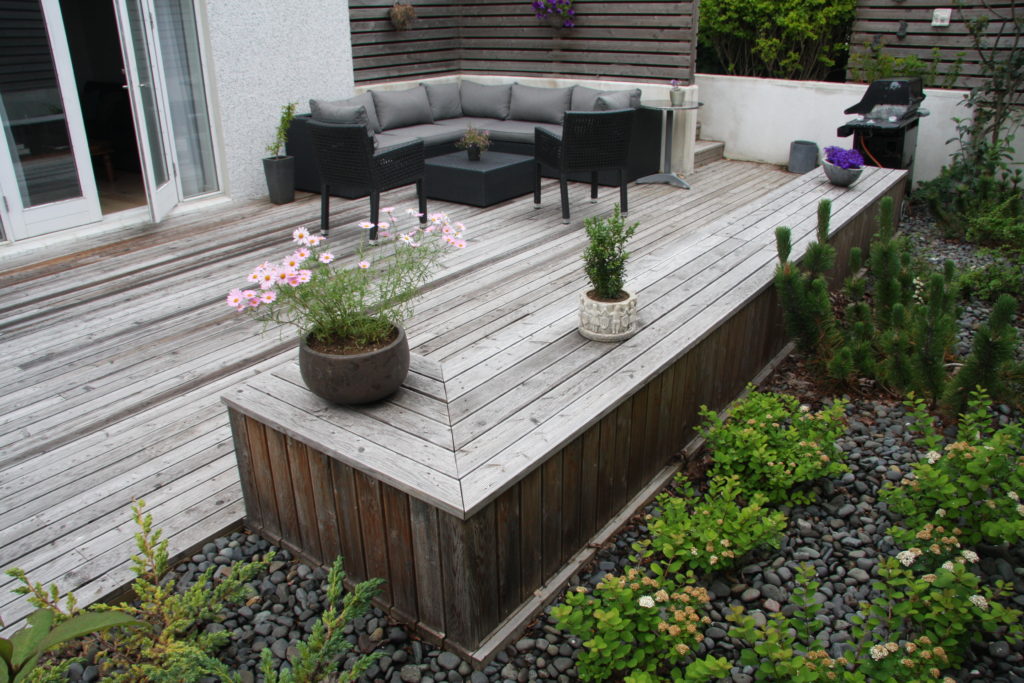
point(841, 177)
point(607, 321)
point(280, 172)
point(357, 378)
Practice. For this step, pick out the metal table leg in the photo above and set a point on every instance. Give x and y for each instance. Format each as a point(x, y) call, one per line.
point(667, 178)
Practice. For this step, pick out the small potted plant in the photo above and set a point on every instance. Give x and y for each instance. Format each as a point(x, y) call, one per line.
point(278, 168)
point(352, 346)
point(555, 13)
point(842, 166)
point(402, 15)
point(607, 309)
point(474, 141)
point(676, 93)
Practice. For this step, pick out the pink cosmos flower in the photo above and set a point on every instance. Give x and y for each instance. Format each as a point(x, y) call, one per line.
point(267, 277)
point(326, 257)
point(268, 296)
point(236, 300)
point(314, 240)
point(301, 254)
point(406, 238)
point(459, 244)
point(364, 264)
point(413, 212)
point(253, 277)
point(383, 225)
point(252, 297)
point(281, 276)
point(447, 229)
point(292, 263)
point(300, 235)
point(304, 276)
point(366, 225)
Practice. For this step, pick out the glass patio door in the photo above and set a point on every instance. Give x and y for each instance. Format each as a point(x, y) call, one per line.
point(46, 176)
point(144, 74)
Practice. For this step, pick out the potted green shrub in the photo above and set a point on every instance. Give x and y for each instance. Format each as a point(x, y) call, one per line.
point(474, 141)
point(607, 309)
point(352, 346)
point(278, 168)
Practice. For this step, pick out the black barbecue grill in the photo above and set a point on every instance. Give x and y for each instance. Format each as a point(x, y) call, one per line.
point(885, 132)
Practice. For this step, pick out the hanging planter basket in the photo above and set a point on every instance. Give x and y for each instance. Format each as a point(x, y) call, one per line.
point(402, 14)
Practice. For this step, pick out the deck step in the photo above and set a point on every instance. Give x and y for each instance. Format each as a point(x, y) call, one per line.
point(708, 151)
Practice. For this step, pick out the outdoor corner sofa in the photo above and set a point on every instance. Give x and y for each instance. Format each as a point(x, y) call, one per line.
point(440, 113)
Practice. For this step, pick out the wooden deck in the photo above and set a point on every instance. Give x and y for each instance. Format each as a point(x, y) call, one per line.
point(117, 355)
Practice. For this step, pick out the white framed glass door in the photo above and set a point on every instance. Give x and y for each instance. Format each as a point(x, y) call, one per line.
point(46, 176)
point(144, 74)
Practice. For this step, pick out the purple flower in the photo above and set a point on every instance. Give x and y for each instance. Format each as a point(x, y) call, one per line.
point(843, 158)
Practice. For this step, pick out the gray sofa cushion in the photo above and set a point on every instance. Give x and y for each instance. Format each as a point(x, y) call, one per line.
point(431, 133)
point(491, 101)
point(511, 130)
point(585, 99)
point(445, 102)
point(340, 113)
point(546, 105)
point(400, 108)
point(327, 111)
point(613, 100)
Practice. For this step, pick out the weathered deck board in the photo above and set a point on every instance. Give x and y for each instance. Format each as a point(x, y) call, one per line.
point(117, 356)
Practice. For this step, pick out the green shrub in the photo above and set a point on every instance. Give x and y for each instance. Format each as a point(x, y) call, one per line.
point(714, 531)
point(998, 225)
point(991, 281)
point(604, 259)
point(775, 446)
point(634, 623)
point(990, 365)
point(776, 38)
point(966, 495)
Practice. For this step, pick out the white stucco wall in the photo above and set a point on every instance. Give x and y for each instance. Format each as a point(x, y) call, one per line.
point(758, 118)
point(264, 54)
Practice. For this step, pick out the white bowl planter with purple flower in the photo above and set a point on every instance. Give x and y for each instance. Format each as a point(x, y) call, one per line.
point(842, 166)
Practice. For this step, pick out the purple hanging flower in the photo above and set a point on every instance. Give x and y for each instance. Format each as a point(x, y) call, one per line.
point(843, 158)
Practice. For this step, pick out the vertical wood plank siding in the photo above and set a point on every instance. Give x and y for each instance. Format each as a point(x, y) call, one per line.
point(880, 20)
point(644, 40)
point(456, 580)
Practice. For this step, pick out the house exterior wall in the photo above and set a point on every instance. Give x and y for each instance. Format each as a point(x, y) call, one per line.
point(758, 118)
point(262, 55)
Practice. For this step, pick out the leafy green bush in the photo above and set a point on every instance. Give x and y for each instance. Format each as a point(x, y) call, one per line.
point(777, 38)
point(634, 623)
point(870, 62)
point(714, 531)
point(775, 446)
point(991, 281)
point(967, 495)
point(945, 610)
point(604, 259)
point(999, 225)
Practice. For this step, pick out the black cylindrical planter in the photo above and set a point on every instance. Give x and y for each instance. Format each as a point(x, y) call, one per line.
point(803, 156)
point(280, 172)
point(474, 153)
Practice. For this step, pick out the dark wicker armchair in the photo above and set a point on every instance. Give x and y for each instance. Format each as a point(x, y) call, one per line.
point(591, 141)
point(346, 160)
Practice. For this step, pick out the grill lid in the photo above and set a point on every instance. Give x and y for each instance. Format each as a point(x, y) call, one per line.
point(889, 98)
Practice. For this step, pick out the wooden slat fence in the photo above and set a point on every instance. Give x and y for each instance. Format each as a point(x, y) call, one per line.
point(644, 40)
point(880, 22)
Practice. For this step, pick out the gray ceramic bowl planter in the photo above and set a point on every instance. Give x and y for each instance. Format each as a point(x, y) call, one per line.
point(356, 378)
point(839, 176)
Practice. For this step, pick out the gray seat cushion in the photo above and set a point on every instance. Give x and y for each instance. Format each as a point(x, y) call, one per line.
point(490, 101)
point(585, 99)
point(430, 133)
point(445, 101)
point(515, 131)
point(546, 105)
point(389, 139)
point(339, 113)
point(401, 108)
point(327, 110)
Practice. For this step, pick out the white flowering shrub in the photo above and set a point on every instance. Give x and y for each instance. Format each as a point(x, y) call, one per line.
point(964, 494)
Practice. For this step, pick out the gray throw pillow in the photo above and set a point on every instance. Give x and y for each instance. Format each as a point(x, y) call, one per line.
point(488, 101)
point(545, 105)
point(338, 113)
point(585, 99)
point(322, 109)
point(613, 100)
point(401, 108)
point(445, 102)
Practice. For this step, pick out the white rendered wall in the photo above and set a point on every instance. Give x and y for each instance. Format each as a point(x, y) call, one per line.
point(758, 118)
point(264, 54)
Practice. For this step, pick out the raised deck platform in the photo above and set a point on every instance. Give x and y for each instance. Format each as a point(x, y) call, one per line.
point(516, 440)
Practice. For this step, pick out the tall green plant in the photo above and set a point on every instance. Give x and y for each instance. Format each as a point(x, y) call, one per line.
point(604, 259)
point(281, 134)
point(990, 357)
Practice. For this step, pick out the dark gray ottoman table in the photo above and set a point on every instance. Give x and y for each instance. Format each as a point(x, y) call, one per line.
point(496, 177)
